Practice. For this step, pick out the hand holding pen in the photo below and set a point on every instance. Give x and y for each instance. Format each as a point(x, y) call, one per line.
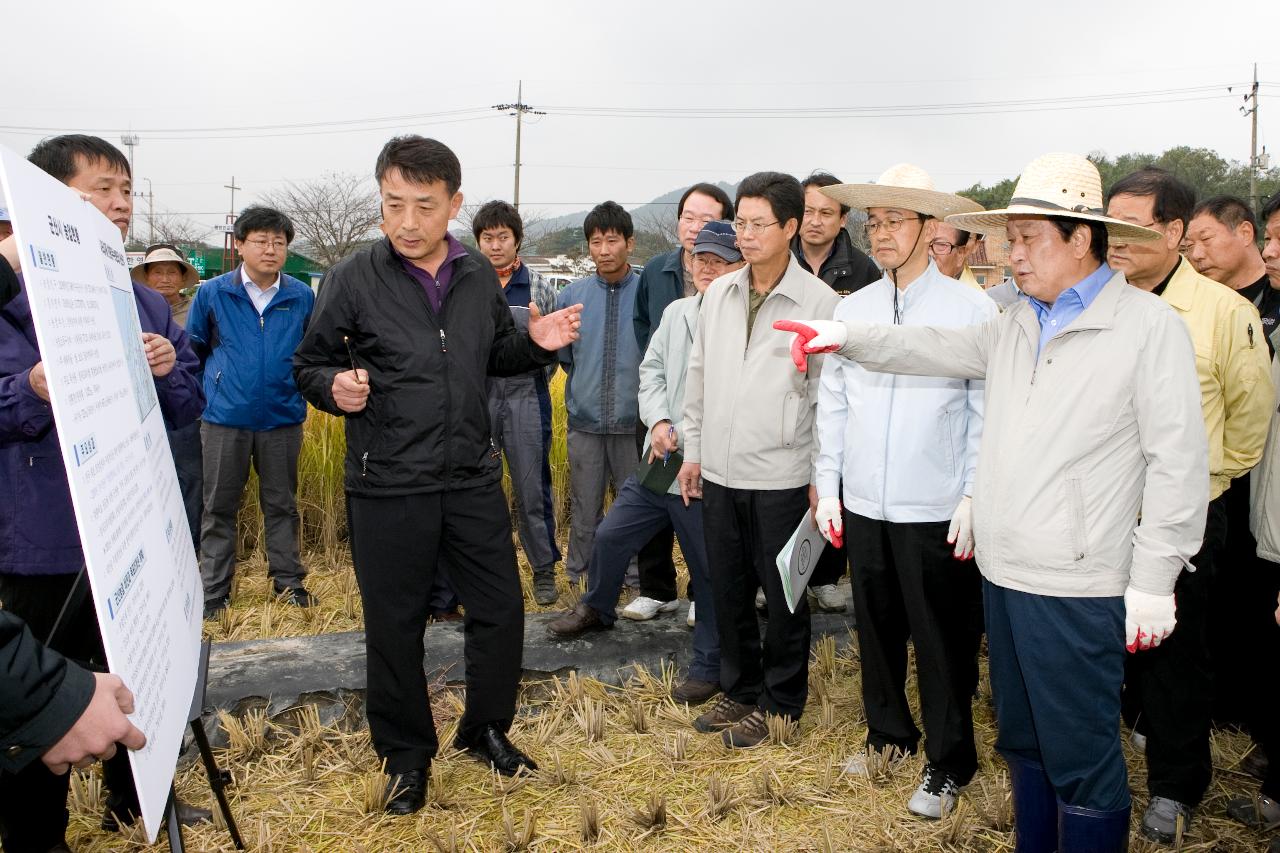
point(351, 387)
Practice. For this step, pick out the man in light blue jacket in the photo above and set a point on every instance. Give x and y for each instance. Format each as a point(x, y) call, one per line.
point(639, 510)
point(907, 449)
point(604, 378)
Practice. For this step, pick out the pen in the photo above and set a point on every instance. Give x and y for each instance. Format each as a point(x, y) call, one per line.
point(352, 355)
point(666, 454)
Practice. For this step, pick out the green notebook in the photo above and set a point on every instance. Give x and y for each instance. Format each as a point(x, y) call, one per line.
point(656, 476)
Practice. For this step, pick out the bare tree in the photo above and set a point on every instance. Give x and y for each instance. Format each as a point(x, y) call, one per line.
point(333, 215)
point(176, 229)
point(662, 227)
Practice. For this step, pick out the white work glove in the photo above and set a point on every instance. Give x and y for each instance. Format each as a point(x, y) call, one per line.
point(960, 533)
point(812, 337)
point(830, 521)
point(1148, 619)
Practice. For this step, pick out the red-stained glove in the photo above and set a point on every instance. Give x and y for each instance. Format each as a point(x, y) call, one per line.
point(812, 337)
point(1148, 619)
point(830, 523)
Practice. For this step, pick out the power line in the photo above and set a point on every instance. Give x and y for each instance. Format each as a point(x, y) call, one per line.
point(286, 126)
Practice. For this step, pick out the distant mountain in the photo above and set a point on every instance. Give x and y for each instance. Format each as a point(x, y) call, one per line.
point(662, 206)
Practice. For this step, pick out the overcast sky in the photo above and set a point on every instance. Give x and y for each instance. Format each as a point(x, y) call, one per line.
point(635, 93)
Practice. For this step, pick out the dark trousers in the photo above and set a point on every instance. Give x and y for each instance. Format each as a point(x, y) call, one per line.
point(396, 543)
point(228, 453)
point(1243, 584)
point(745, 530)
point(33, 801)
point(1168, 690)
point(188, 461)
point(907, 585)
point(1057, 665)
point(1264, 692)
point(832, 563)
point(654, 562)
point(635, 514)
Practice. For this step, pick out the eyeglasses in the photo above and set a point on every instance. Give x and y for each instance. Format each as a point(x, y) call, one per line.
point(751, 227)
point(709, 259)
point(890, 225)
point(941, 247)
point(690, 218)
point(263, 245)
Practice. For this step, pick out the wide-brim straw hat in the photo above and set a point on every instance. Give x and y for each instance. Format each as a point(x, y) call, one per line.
point(903, 186)
point(1065, 185)
point(190, 277)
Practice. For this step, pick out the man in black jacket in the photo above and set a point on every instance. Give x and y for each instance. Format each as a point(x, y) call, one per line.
point(823, 245)
point(402, 339)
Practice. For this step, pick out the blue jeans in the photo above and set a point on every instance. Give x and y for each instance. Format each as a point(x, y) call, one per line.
point(1057, 665)
point(635, 516)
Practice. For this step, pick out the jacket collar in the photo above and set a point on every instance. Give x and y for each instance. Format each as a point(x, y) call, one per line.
point(1180, 292)
point(464, 264)
point(1100, 314)
point(233, 283)
point(674, 262)
point(791, 286)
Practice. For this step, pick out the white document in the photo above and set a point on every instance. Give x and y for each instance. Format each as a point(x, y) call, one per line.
point(798, 558)
point(137, 546)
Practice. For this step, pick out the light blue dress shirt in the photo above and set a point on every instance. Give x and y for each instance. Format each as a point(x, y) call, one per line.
point(1069, 305)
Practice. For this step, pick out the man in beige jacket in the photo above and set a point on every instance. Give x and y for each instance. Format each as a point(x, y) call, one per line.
point(1090, 493)
point(749, 452)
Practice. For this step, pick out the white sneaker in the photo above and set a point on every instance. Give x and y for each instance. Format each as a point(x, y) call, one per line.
point(688, 619)
point(829, 598)
point(644, 608)
point(936, 795)
point(762, 603)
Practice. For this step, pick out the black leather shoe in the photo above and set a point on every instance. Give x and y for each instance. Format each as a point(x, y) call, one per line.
point(213, 607)
point(115, 815)
point(492, 747)
point(298, 596)
point(407, 792)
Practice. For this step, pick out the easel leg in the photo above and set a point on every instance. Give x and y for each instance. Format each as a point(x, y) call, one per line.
point(176, 842)
point(217, 780)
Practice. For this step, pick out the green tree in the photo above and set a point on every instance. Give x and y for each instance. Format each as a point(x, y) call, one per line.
point(1205, 171)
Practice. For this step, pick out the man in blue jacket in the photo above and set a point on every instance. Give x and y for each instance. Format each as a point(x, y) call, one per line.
point(249, 321)
point(40, 554)
point(602, 392)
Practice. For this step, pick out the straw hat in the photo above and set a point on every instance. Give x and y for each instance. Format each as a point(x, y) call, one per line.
point(159, 254)
point(904, 186)
point(1065, 185)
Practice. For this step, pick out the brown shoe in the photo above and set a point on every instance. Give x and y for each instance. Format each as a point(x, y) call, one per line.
point(722, 715)
point(694, 691)
point(751, 730)
point(576, 622)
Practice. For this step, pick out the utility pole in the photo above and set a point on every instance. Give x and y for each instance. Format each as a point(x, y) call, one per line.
point(151, 209)
point(228, 235)
point(129, 140)
point(518, 109)
point(232, 186)
point(1254, 162)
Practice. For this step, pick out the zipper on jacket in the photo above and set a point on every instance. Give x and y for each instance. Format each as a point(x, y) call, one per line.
point(448, 401)
point(364, 463)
